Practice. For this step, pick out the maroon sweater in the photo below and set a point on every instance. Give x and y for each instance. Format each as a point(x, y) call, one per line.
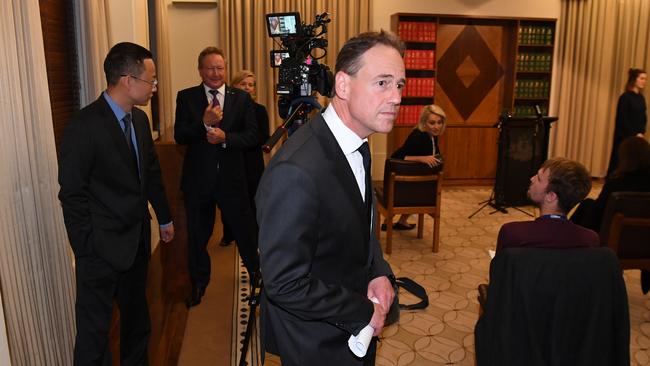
point(546, 232)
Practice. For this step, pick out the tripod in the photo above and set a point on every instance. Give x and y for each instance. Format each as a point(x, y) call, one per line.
point(492, 203)
point(253, 302)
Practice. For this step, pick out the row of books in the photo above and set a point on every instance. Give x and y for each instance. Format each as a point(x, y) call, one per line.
point(532, 88)
point(419, 87)
point(529, 110)
point(420, 59)
point(535, 35)
point(536, 62)
point(417, 31)
point(408, 115)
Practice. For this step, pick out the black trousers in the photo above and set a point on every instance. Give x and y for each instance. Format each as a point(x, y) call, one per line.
point(98, 284)
point(201, 213)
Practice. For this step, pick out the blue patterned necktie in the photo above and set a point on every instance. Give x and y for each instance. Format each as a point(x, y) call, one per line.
point(127, 135)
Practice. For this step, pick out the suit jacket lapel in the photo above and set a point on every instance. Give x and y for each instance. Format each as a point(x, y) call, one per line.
point(228, 101)
point(115, 132)
point(341, 167)
point(199, 100)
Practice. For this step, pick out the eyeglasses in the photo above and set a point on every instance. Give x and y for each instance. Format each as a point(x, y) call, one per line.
point(152, 83)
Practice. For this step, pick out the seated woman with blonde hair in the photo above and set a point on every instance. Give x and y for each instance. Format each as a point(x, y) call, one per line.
point(422, 146)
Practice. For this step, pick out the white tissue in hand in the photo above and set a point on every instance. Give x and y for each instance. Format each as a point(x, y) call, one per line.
point(359, 344)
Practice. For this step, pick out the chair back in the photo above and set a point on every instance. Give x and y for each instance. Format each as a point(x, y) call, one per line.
point(626, 228)
point(554, 307)
point(413, 183)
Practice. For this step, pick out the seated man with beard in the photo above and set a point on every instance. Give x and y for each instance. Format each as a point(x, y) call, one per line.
point(559, 185)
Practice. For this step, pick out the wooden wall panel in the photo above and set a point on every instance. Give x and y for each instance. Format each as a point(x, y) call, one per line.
point(470, 153)
point(471, 70)
point(62, 76)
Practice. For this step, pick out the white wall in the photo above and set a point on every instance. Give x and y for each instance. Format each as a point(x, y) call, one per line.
point(192, 27)
point(383, 9)
point(128, 21)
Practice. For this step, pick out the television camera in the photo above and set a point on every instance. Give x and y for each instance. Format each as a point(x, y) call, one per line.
point(301, 75)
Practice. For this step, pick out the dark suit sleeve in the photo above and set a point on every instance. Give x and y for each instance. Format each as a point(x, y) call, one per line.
point(288, 212)
point(246, 135)
point(378, 265)
point(188, 125)
point(75, 165)
point(155, 188)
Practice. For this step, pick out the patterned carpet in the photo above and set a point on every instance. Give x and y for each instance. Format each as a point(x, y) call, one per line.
point(443, 334)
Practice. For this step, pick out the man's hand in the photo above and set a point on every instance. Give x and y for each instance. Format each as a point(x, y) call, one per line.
point(212, 115)
point(381, 289)
point(216, 136)
point(378, 319)
point(167, 233)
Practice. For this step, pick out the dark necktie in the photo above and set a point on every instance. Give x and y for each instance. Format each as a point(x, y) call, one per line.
point(129, 142)
point(364, 149)
point(215, 100)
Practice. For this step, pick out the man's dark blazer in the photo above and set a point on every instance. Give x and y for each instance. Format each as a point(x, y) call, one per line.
point(204, 162)
point(554, 307)
point(104, 202)
point(317, 251)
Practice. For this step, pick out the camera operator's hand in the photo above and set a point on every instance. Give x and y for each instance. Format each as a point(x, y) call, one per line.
point(216, 136)
point(212, 115)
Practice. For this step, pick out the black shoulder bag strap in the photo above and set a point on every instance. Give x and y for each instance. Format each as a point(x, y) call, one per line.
point(417, 290)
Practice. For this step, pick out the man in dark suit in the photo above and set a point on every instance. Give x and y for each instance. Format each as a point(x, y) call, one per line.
point(320, 261)
point(108, 171)
point(216, 122)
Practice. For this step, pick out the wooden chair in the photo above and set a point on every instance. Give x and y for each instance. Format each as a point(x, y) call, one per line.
point(409, 188)
point(626, 228)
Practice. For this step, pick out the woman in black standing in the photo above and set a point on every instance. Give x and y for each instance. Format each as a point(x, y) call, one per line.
point(253, 156)
point(631, 116)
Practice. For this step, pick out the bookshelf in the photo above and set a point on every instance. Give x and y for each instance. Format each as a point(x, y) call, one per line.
point(419, 34)
point(474, 68)
point(534, 65)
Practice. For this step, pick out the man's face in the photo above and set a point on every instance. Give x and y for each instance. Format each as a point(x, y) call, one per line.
point(213, 71)
point(143, 86)
point(537, 190)
point(373, 95)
